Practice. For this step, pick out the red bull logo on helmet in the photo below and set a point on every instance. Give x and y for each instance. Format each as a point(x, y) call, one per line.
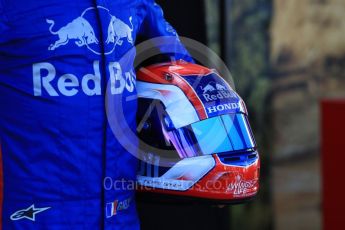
point(212, 93)
point(215, 94)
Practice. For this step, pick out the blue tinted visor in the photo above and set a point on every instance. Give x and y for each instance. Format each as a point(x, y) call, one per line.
point(226, 133)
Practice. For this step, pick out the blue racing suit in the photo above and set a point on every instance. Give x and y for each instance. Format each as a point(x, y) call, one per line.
point(61, 166)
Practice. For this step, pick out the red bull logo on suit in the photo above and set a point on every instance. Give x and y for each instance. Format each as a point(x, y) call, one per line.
point(82, 33)
point(44, 81)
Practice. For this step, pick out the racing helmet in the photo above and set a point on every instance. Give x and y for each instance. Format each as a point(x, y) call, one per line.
point(195, 138)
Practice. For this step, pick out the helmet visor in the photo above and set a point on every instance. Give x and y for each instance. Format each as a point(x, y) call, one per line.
point(226, 133)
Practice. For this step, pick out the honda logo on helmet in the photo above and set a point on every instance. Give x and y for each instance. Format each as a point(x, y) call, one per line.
point(219, 108)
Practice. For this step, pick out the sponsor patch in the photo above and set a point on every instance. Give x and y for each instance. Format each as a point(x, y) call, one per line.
point(113, 208)
point(241, 187)
point(28, 213)
point(216, 95)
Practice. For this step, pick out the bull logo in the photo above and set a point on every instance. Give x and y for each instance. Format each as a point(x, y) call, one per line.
point(220, 87)
point(81, 32)
point(208, 88)
point(79, 29)
point(118, 30)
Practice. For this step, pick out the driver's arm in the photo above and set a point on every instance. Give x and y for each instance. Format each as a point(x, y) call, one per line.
point(155, 25)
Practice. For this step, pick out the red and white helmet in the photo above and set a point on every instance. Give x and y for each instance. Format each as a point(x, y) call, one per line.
point(196, 140)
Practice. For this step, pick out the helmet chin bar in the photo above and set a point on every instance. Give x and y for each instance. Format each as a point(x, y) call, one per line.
point(196, 141)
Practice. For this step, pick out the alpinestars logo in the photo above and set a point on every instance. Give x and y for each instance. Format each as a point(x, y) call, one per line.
point(82, 33)
point(29, 213)
point(212, 92)
point(241, 187)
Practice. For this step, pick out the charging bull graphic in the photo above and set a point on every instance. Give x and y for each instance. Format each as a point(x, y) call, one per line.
point(118, 30)
point(81, 32)
point(220, 87)
point(208, 88)
point(79, 29)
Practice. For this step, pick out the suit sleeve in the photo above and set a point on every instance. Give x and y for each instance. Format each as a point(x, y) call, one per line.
point(155, 25)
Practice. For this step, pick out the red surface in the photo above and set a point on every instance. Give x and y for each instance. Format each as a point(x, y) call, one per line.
point(156, 74)
point(223, 182)
point(333, 158)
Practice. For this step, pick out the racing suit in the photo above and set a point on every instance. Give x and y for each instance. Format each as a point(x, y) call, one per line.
point(61, 166)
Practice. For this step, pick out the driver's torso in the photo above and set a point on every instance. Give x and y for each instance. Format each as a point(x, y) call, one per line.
point(60, 159)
